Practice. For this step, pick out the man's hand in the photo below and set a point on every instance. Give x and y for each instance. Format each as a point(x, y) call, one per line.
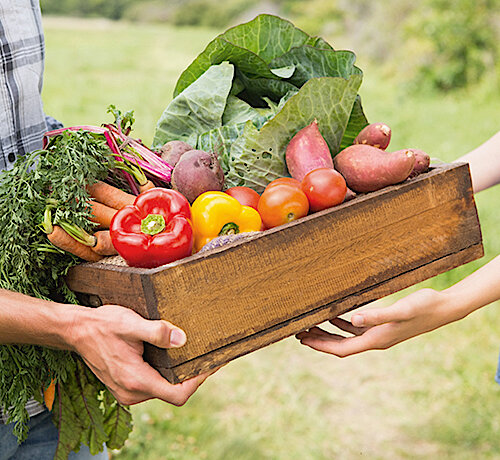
point(381, 328)
point(110, 340)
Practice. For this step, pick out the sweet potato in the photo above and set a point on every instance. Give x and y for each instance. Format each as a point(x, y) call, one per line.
point(376, 134)
point(307, 151)
point(172, 151)
point(197, 172)
point(366, 168)
point(422, 161)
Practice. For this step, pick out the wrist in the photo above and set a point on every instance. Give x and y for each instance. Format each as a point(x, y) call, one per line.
point(456, 304)
point(75, 325)
point(57, 325)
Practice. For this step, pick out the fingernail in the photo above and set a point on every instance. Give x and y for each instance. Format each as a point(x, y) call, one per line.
point(358, 320)
point(177, 337)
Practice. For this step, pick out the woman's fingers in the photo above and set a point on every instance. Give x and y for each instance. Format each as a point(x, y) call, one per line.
point(373, 317)
point(347, 326)
point(381, 328)
point(373, 338)
point(337, 345)
point(317, 332)
point(338, 322)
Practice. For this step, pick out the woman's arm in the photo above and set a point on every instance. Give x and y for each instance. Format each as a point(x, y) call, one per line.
point(427, 309)
point(484, 163)
point(417, 313)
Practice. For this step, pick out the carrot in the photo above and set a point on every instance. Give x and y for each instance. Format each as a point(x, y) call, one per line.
point(110, 196)
point(61, 239)
point(102, 214)
point(49, 394)
point(104, 245)
point(147, 186)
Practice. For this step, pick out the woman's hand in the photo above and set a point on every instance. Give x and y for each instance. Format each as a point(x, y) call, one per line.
point(419, 312)
point(381, 328)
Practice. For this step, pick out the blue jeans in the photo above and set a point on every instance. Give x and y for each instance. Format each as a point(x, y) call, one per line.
point(40, 444)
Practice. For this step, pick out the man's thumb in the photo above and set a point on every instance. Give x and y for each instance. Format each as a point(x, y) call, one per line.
point(164, 334)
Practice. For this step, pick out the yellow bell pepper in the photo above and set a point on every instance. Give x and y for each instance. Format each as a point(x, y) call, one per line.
point(217, 213)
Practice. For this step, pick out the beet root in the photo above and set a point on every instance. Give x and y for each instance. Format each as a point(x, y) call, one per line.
point(366, 168)
point(306, 151)
point(197, 172)
point(172, 151)
point(376, 134)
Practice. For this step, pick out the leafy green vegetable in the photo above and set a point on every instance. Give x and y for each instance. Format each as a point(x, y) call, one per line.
point(270, 99)
point(357, 121)
point(198, 109)
point(256, 157)
point(310, 62)
point(238, 111)
point(251, 47)
point(29, 264)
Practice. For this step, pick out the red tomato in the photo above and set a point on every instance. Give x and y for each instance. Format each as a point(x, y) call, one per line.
point(282, 203)
point(245, 195)
point(324, 188)
point(284, 180)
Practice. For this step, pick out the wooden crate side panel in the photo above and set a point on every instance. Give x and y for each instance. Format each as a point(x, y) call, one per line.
point(215, 358)
point(114, 285)
point(257, 285)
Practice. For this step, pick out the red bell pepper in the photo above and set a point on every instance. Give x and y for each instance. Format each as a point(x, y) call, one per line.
point(155, 230)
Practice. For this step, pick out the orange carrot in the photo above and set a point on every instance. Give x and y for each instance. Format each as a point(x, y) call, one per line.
point(49, 394)
point(102, 214)
point(147, 186)
point(110, 196)
point(104, 245)
point(61, 239)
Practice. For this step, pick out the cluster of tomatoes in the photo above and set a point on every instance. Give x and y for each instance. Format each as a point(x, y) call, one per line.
point(287, 199)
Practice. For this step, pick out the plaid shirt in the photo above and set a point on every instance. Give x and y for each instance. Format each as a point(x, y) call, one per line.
point(22, 51)
point(22, 120)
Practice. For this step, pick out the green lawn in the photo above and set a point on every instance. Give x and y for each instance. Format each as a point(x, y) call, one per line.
point(432, 397)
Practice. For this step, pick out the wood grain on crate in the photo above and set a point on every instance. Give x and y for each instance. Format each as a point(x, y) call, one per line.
point(237, 299)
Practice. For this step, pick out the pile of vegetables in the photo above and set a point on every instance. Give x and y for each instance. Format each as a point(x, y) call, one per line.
point(54, 179)
point(253, 88)
point(266, 126)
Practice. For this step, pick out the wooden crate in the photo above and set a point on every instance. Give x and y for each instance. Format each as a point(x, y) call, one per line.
point(249, 294)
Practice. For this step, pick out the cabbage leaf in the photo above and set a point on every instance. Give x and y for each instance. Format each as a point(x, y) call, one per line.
point(281, 80)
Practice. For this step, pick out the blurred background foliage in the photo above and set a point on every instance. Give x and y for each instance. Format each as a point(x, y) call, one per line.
point(431, 74)
point(434, 44)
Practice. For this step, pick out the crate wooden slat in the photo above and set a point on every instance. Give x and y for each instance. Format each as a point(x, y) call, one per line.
point(239, 298)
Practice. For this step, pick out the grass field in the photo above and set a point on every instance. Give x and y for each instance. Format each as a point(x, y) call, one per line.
point(432, 397)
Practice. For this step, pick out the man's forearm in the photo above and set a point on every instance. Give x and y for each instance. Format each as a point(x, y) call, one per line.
point(27, 320)
point(109, 339)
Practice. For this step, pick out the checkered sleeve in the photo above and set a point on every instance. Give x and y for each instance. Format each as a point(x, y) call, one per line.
point(22, 50)
point(22, 120)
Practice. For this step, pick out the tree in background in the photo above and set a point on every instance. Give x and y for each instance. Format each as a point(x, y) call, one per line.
point(318, 17)
point(438, 44)
point(111, 9)
point(459, 41)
